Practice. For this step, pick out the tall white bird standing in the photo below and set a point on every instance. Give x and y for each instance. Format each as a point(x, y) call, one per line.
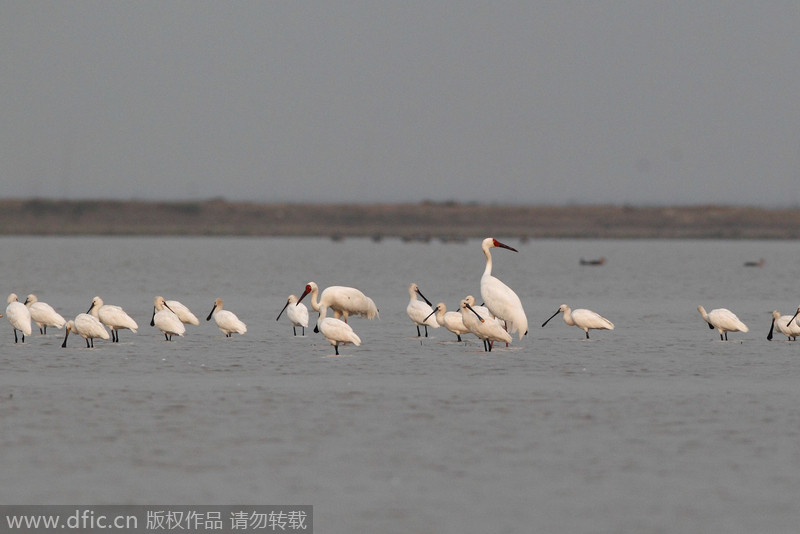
point(166, 320)
point(114, 317)
point(487, 329)
point(584, 319)
point(723, 320)
point(336, 331)
point(43, 314)
point(498, 297)
point(296, 312)
point(19, 316)
point(785, 324)
point(420, 312)
point(343, 300)
point(451, 320)
point(88, 327)
point(226, 320)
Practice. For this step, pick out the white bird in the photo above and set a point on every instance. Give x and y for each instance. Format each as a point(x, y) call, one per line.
point(335, 330)
point(584, 319)
point(226, 321)
point(166, 320)
point(88, 327)
point(420, 312)
point(297, 314)
point(343, 300)
point(184, 314)
point(486, 328)
point(792, 327)
point(450, 320)
point(498, 297)
point(43, 314)
point(723, 320)
point(19, 316)
point(113, 317)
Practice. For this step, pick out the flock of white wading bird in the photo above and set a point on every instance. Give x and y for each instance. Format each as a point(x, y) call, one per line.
point(500, 316)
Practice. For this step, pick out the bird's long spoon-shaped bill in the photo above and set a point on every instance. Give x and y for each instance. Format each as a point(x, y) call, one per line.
point(306, 292)
point(423, 298)
point(212, 313)
point(153, 318)
point(431, 313)
point(473, 311)
point(547, 321)
point(793, 317)
point(282, 309)
point(772, 327)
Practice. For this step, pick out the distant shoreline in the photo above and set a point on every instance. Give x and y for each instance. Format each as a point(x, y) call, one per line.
point(425, 220)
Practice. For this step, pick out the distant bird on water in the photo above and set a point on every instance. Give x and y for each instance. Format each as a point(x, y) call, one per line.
point(584, 319)
point(759, 263)
point(598, 261)
point(723, 320)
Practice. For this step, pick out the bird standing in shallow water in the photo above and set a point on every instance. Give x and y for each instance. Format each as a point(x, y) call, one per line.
point(226, 321)
point(43, 314)
point(19, 316)
point(498, 297)
point(296, 312)
point(113, 317)
point(723, 320)
point(420, 312)
point(584, 319)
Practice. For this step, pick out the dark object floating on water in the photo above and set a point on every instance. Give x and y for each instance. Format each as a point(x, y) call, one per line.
point(598, 261)
point(759, 263)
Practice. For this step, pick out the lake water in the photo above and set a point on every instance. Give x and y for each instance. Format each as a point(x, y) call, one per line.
point(655, 427)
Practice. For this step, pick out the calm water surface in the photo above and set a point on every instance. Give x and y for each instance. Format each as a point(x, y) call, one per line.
point(656, 427)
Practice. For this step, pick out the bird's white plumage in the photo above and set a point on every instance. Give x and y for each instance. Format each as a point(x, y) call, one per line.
point(226, 320)
point(19, 316)
point(43, 314)
point(723, 320)
point(490, 329)
point(451, 320)
point(336, 331)
point(584, 319)
point(418, 311)
point(88, 327)
point(343, 300)
point(165, 319)
point(786, 324)
point(183, 312)
point(501, 300)
point(114, 317)
point(296, 312)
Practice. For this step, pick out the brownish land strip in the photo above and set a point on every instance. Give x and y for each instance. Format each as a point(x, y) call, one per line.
point(447, 220)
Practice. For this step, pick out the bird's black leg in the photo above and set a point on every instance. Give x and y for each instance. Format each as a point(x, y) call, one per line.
point(166, 336)
point(15, 336)
point(336, 347)
point(458, 336)
point(721, 338)
point(426, 330)
point(418, 332)
point(304, 331)
point(587, 334)
point(294, 331)
point(42, 331)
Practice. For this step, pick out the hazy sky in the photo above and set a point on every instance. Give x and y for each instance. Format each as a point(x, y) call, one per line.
point(629, 101)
